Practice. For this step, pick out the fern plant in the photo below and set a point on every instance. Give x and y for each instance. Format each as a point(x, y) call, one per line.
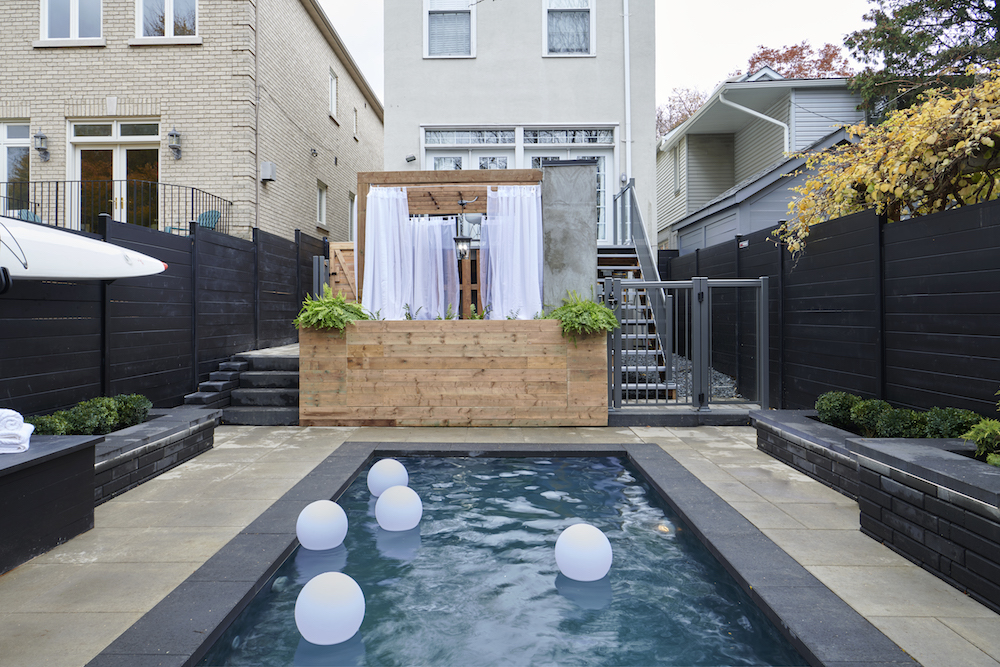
point(582, 317)
point(328, 312)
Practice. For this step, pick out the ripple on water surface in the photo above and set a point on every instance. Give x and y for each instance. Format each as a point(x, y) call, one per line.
point(476, 582)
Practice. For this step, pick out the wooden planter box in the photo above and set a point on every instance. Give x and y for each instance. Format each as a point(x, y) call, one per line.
point(452, 373)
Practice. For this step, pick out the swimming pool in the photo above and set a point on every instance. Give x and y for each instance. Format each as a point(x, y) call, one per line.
point(180, 629)
point(477, 583)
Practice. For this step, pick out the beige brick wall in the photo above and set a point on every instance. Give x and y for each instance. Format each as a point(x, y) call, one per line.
point(207, 92)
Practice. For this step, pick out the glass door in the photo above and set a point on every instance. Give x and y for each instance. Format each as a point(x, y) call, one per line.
point(120, 181)
point(603, 158)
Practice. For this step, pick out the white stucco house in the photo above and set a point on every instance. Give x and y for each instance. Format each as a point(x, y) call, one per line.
point(507, 84)
point(727, 170)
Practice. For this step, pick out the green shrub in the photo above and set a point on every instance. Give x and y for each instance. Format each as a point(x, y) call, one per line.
point(993, 459)
point(834, 408)
point(328, 312)
point(581, 317)
point(132, 409)
point(94, 417)
point(901, 423)
point(950, 422)
point(48, 424)
point(865, 415)
point(986, 435)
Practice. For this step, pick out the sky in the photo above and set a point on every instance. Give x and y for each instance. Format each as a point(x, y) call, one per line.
point(697, 44)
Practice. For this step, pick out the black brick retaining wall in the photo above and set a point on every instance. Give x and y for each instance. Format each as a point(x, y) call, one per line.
point(128, 458)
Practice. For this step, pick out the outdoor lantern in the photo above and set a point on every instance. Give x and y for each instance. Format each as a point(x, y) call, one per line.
point(462, 245)
point(42, 145)
point(174, 143)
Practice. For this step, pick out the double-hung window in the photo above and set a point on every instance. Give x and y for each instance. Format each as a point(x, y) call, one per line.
point(568, 27)
point(71, 19)
point(167, 18)
point(449, 28)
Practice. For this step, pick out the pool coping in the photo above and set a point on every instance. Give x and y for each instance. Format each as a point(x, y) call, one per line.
point(181, 628)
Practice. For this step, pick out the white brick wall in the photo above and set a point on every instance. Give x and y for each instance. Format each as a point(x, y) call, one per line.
point(207, 92)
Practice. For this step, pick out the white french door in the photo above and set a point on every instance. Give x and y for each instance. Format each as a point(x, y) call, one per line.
point(534, 157)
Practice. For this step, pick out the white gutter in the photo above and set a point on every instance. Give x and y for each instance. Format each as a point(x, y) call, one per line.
point(628, 94)
point(722, 98)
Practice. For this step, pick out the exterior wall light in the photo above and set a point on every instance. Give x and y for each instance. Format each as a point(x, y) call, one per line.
point(42, 146)
point(411, 158)
point(174, 143)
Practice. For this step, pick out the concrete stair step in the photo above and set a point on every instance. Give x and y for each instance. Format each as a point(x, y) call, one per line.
point(217, 385)
point(208, 399)
point(270, 380)
point(269, 363)
point(234, 366)
point(223, 376)
point(261, 416)
point(265, 397)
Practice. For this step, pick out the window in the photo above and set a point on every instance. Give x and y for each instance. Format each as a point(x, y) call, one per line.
point(333, 94)
point(677, 170)
point(468, 137)
point(355, 123)
point(569, 27)
point(449, 29)
point(71, 19)
point(167, 18)
point(560, 136)
point(447, 163)
point(321, 204)
point(352, 215)
point(492, 162)
point(15, 150)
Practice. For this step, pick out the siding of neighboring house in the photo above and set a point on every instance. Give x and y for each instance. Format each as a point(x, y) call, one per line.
point(818, 112)
point(760, 143)
point(671, 193)
point(710, 168)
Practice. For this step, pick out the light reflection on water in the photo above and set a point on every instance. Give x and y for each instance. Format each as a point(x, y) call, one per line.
point(476, 583)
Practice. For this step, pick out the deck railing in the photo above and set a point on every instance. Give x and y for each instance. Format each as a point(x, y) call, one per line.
point(77, 204)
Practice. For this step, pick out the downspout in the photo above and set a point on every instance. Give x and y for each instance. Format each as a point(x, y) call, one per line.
point(628, 93)
point(722, 98)
point(256, 115)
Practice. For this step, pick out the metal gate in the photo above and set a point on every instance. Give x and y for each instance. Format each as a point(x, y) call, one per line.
point(695, 342)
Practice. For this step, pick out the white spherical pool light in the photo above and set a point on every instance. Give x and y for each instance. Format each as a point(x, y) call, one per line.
point(386, 473)
point(321, 525)
point(329, 609)
point(398, 508)
point(583, 553)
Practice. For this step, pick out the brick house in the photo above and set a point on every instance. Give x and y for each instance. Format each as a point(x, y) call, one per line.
point(256, 105)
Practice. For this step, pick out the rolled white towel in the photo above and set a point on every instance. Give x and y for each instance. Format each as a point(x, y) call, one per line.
point(12, 444)
point(10, 422)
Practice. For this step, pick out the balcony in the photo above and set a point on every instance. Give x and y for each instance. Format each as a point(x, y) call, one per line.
point(77, 204)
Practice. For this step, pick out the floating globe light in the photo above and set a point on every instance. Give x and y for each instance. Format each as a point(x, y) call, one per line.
point(329, 609)
point(583, 553)
point(386, 473)
point(321, 525)
point(398, 508)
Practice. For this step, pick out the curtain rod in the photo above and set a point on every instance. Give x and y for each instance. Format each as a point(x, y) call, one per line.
point(443, 185)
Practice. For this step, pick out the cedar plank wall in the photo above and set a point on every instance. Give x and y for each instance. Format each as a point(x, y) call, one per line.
point(451, 373)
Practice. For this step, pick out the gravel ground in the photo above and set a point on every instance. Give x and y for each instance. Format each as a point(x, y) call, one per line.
point(723, 386)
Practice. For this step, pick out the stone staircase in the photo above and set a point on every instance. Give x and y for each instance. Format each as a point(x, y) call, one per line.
point(255, 388)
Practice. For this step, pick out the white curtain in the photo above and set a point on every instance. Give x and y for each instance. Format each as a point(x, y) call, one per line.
point(388, 280)
point(435, 269)
point(510, 256)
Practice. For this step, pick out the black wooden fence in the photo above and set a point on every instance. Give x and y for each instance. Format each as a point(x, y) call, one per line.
point(63, 342)
point(908, 312)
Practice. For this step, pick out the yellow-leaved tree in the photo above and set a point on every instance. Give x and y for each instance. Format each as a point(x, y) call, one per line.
point(939, 154)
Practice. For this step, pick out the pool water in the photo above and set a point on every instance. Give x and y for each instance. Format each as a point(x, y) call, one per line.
point(476, 582)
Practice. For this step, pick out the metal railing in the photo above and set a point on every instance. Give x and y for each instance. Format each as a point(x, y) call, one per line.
point(77, 204)
point(662, 354)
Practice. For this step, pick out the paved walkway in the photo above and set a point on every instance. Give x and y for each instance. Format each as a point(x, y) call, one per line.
point(63, 608)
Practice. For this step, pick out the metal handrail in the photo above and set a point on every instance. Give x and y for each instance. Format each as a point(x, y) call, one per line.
point(78, 204)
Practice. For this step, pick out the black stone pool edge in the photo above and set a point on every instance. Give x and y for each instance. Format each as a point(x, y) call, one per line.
point(181, 628)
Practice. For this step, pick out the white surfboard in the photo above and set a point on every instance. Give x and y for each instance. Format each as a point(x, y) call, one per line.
point(31, 251)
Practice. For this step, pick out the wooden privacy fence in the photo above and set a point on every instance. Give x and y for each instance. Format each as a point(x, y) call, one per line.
point(63, 342)
point(908, 312)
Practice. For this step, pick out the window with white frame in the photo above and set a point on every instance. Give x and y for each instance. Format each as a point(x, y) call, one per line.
point(166, 18)
point(449, 29)
point(71, 19)
point(568, 27)
point(333, 94)
point(15, 153)
point(321, 203)
point(355, 122)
